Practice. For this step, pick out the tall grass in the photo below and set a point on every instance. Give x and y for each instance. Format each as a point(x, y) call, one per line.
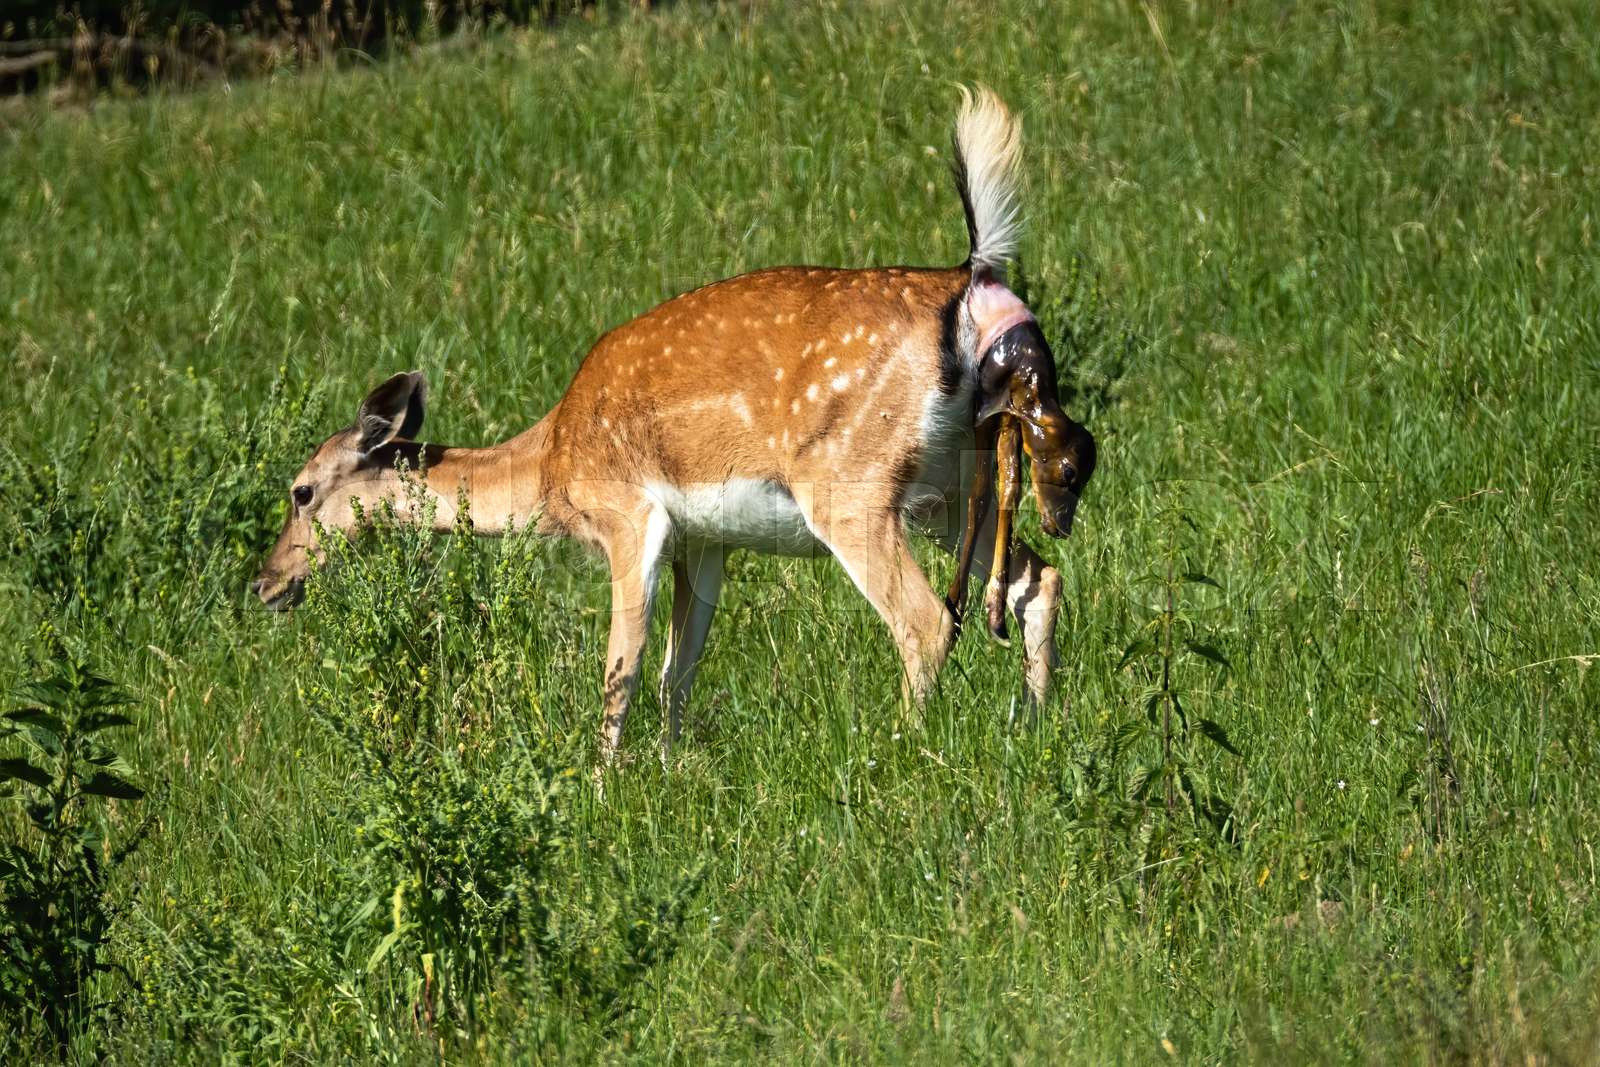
point(1323, 279)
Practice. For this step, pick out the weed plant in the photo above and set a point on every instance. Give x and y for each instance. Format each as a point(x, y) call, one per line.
point(55, 908)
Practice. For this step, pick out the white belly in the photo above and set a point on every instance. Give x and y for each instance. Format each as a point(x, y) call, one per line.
point(739, 513)
point(758, 514)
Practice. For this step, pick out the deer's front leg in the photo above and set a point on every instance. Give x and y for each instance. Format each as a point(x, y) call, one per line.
point(633, 546)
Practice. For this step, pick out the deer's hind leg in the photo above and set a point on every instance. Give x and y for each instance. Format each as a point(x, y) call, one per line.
point(697, 582)
point(870, 543)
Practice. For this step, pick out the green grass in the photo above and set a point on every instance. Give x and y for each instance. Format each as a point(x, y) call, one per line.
point(1331, 279)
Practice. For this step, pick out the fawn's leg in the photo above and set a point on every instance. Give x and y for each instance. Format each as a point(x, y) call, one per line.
point(1033, 593)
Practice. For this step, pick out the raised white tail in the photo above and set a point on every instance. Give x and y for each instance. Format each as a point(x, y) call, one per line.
point(988, 144)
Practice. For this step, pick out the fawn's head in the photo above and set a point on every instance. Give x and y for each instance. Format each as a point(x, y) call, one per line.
point(349, 473)
point(1017, 376)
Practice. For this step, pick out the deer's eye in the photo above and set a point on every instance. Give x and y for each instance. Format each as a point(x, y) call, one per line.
point(302, 495)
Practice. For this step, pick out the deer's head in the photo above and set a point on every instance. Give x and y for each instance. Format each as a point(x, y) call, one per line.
point(356, 466)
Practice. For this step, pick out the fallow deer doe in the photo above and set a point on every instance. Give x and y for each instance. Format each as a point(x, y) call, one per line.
point(791, 411)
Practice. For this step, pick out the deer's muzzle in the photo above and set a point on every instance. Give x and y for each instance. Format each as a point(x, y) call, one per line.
point(277, 592)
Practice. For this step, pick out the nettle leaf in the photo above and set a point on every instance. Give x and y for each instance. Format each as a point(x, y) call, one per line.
point(1209, 652)
point(1123, 737)
point(47, 743)
point(1217, 734)
point(106, 784)
point(102, 720)
point(24, 771)
point(38, 719)
point(100, 692)
point(1138, 781)
point(1139, 649)
point(1196, 578)
point(52, 693)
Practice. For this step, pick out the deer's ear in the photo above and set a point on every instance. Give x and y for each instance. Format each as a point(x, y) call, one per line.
point(392, 410)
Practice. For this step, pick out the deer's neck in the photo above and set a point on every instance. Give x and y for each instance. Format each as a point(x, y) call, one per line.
point(504, 485)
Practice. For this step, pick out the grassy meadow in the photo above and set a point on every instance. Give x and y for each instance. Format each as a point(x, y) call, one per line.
point(1322, 279)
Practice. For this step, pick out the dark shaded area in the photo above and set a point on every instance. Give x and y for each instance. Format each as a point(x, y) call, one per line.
point(93, 44)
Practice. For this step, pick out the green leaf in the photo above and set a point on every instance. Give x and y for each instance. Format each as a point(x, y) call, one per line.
point(1196, 578)
point(1210, 652)
point(1124, 736)
point(1217, 734)
point(386, 945)
point(17, 859)
point(1138, 782)
point(50, 743)
point(1140, 648)
point(24, 771)
point(52, 693)
point(102, 720)
point(367, 910)
point(100, 692)
point(38, 719)
point(106, 784)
